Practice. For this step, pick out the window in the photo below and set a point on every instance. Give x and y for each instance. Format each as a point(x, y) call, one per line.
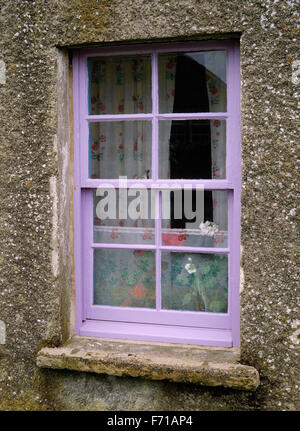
point(157, 133)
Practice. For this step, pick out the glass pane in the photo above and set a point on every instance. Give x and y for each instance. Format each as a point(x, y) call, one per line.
point(123, 219)
point(192, 149)
point(192, 82)
point(194, 282)
point(120, 148)
point(207, 212)
point(124, 278)
point(120, 85)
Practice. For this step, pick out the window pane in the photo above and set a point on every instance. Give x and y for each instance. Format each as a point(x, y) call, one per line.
point(120, 148)
point(124, 278)
point(194, 282)
point(192, 149)
point(210, 226)
point(119, 85)
point(123, 219)
point(192, 82)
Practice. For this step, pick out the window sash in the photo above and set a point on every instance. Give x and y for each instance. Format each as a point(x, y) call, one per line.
point(155, 116)
point(130, 314)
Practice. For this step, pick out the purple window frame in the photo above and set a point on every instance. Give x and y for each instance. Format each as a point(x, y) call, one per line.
point(201, 328)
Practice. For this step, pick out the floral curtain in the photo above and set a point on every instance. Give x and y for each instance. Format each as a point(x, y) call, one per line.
point(120, 85)
point(123, 148)
point(124, 278)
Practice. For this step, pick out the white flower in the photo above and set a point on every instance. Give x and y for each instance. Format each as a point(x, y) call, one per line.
point(190, 267)
point(208, 228)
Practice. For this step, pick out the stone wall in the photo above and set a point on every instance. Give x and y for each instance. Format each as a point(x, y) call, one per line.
point(36, 195)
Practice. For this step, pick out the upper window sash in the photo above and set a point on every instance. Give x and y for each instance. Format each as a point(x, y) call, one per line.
point(231, 115)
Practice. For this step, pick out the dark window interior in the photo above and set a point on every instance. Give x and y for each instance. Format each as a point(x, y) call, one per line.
point(190, 140)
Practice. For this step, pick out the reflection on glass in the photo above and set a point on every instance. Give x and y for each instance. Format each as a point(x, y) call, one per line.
point(124, 278)
point(192, 149)
point(194, 282)
point(123, 219)
point(120, 148)
point(119, 85)
point(210, 226)
point(192, 82)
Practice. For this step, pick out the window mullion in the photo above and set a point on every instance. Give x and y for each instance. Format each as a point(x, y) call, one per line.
point(154, 112)
point(155, 176)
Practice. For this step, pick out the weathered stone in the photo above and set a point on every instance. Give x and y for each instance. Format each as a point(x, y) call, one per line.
point(180, 363)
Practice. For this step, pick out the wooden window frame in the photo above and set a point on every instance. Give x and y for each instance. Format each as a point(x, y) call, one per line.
point(202, 328)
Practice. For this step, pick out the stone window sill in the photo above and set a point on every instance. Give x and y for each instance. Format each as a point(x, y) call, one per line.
point(207, 366)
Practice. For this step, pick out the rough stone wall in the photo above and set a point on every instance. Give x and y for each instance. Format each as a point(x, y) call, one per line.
point(35, 196)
